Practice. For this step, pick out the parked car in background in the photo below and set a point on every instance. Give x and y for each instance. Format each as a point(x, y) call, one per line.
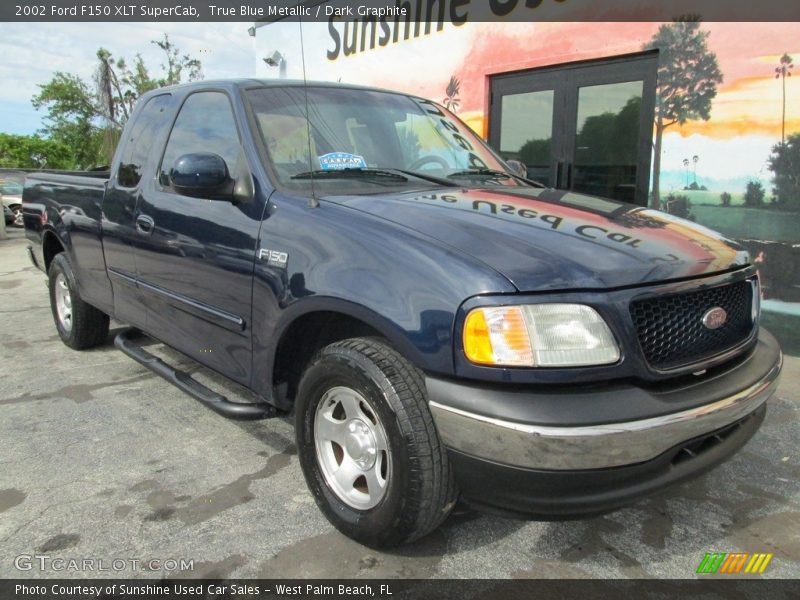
point(9, 216)
point(11, 195)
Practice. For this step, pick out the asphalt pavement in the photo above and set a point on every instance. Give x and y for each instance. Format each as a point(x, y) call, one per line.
point(101, 460)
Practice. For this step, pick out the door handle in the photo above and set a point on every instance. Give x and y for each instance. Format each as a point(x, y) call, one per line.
point(145, 225)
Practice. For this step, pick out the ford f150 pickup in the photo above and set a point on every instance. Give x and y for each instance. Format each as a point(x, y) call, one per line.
point(441, 326)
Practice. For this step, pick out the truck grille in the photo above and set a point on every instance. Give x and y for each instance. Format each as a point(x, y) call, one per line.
point(671, 331)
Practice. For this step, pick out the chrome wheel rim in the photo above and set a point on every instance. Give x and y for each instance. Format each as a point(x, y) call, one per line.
point(17, 210)
point(63, 303)
point(352, 448)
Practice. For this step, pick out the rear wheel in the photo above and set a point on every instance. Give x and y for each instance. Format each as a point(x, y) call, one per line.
point(367, 444)
point(79, 324)
point(17, 210)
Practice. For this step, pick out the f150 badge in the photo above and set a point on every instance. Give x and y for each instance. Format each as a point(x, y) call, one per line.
point(274, 258)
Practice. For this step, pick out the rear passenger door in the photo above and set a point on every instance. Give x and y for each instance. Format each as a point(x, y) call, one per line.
point(136, 156)
point(195, 257)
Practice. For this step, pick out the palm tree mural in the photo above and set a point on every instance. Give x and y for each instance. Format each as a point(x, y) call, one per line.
point(782, 71)
point(695, 159)
point(451, 99)
point(686, 166)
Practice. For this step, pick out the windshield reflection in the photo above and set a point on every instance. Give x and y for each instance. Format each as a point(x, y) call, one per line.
point(350, 140)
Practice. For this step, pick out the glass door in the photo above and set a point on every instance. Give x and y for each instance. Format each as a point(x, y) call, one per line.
point(526, 133)
point(605, 157)
point(581, 126)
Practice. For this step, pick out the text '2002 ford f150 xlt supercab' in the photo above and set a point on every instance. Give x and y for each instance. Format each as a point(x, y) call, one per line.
point(441, 326)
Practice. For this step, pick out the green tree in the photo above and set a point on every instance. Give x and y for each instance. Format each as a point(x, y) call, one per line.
point(754, 194)
point(686, 167)
point(784, 162)
point(33, 152)
point(611, 138)
point(688, 74)
point(70, 118)
point(177, 64)
point(782, 71)
point(88, 117)
point(679, 205)
point(536, 153)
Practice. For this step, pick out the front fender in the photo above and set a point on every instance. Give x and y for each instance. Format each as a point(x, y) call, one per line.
point(401, 283)
point(414, 345)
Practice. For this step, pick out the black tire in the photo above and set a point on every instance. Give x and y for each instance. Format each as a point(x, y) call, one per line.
point(89, 325)
point(421, 490)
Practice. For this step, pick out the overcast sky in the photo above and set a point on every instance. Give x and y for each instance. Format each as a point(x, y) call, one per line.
point(32, 52)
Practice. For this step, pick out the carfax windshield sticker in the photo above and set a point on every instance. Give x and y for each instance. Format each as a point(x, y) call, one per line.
point(337, 161)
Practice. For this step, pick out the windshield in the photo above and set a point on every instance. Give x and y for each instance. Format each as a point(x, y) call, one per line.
point(366, 141)
point(8, 188)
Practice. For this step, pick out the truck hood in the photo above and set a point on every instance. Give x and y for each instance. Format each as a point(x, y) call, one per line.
point(544, 239)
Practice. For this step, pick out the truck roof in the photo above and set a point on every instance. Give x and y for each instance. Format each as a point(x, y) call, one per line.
point(252, 82)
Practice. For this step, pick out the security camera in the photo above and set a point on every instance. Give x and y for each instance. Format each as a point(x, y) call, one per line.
point(275, 59)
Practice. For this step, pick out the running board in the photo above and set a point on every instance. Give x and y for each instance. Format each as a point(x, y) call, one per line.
point(184, 382)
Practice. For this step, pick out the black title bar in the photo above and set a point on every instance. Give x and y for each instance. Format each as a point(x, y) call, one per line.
point(415, 10)
point(385, 589)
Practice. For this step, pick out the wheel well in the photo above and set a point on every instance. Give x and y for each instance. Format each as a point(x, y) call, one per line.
point(304, 338)
point(50, 247)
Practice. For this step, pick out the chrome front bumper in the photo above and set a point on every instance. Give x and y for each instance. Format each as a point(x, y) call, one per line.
point(598, 446)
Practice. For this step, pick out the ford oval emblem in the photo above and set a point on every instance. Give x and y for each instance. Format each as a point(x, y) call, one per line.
point(715, 318)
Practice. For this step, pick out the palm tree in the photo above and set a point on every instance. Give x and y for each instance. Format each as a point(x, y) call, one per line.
point(783, 70)
point(695, 158)
point(451, 100)
point(686, 166)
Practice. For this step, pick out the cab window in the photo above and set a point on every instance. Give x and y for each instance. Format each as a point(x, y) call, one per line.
point(140, 140)
point(204, 124)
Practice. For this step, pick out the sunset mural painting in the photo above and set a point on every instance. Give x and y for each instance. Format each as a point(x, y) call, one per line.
point(730, 138)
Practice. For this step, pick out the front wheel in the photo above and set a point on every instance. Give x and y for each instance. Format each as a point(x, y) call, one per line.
point(80, 325)
point(367, 444)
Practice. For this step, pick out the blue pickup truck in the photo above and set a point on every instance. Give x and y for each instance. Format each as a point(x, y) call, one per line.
point(441, 326)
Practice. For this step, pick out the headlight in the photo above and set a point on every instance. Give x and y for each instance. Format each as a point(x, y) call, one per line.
point(538, 335)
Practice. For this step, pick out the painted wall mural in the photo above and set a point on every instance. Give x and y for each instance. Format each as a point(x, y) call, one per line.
point(730, 162)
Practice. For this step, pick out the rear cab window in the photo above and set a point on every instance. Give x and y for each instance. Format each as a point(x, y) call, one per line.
point(141, 140)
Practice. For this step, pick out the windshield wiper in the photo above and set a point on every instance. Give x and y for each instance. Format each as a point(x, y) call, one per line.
point(354, 173)
point(397, 174)
point(426, 177)
point(494, 174)
point(490, 173)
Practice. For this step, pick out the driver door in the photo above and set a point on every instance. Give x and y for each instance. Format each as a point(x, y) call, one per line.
point(196, 256)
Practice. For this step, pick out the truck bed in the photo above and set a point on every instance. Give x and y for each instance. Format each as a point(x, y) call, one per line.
point(89, 178)
point(70, 204)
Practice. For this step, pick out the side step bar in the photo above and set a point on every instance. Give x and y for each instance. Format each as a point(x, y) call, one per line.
point(184, 382)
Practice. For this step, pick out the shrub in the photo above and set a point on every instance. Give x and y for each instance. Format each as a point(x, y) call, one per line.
point(784, 162)
point(754, 194)
point(679, 205)
point(725, 198)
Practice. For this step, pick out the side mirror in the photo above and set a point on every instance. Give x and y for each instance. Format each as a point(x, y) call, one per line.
point(201, 175)
point(518, 168)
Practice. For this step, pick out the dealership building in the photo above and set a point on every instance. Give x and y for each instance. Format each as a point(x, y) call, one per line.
point(578, 103)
